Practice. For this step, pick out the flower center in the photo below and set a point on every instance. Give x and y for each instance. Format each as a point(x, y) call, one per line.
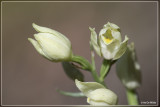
point(107, 37)
point(108, 40)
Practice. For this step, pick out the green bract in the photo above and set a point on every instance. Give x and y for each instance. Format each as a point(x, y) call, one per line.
point(97, 94)
point(51, 44)
point(128, 69)
point(72, 72)
point(109, 44)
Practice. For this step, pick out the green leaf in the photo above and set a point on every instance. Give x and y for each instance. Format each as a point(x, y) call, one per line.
point(72, 94)
point(72, 72)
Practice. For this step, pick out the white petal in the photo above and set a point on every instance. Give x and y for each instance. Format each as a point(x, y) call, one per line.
point(53, 46)
point(96, 103)
point(37, 46)
point(87, 87)
point(122, 49)
point(94, 41)
point(103, 95)
point(109, 51)
point(116, 35)
point(103, 31)
point(48, 30)
point(114, 26)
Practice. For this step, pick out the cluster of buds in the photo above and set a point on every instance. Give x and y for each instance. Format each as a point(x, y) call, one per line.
point(57, 48)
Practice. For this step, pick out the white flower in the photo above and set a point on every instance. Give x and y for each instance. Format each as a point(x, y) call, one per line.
point(51, 44)
point(97, 94)
point(109, 44)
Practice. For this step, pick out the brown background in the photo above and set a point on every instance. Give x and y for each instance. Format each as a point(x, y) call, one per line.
point(29, 79)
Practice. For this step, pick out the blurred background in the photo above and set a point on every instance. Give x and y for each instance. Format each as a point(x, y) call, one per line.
point(30, 79)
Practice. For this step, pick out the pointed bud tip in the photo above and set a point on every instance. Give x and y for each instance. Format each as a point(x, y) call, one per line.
point(91, 29)
point(35, 36)
point(34, 26)
point(126, 37)
point(37, 27)
point(77, 81)
point(30, 39)
point(108, 22)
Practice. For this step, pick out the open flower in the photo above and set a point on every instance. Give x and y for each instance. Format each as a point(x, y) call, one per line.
point(51, 44)
point(109, 44)
point(97, 94)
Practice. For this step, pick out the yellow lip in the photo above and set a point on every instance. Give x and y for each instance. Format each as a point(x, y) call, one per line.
point(88, 100)
point(108, 40)
point(107, 37)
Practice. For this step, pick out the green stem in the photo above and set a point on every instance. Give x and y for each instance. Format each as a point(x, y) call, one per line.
point(132, 97)
point(93, 71)
point(105, 68)
point(84, 64)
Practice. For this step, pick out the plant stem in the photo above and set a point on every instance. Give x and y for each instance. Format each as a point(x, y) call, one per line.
point(132, 97)
point(93, 71)
point(105, 68)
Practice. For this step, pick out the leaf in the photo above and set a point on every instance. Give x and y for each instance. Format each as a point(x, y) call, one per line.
point(72, 72)
point(72, 94)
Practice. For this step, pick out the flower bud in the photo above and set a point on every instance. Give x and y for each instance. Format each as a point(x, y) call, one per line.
point(94, 41)
point(97, 94)
point(51, 44)
point(128, 69)
point(109, 44)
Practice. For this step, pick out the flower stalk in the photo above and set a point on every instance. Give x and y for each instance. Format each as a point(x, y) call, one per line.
point(93, 71)
point(132, 97)
point(105, 68)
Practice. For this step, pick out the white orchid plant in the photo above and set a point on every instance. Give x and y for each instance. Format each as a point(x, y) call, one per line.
point(56, 47)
